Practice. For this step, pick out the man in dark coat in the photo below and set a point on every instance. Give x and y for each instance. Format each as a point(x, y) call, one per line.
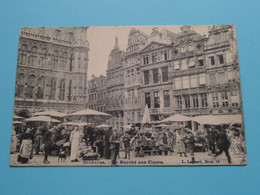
point(191, 145)
point(47, 140)
point(114, 147)
point(211, 136)
point(223, 144)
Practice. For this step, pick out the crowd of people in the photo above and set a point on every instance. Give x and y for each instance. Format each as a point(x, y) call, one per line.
point(45, 140)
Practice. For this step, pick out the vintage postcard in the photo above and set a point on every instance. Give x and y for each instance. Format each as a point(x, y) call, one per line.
point(128, 96)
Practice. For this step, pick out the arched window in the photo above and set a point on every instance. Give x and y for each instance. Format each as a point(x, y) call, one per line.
point(31, 86)
point(62, 89)
point(23, 54)
point(55, 59)
point(64, 61)
point(53, 88)
point(19, 85)
point(41, 86)
point(43, 59)
point(69, 92)
point(33, 56)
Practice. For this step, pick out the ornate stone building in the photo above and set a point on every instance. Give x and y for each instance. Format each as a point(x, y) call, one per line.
point(186, 73)
point(51, 70)
point(97, 93)
point(115, 87)
point(132, 78)
point(156, 85)
point(205, 72)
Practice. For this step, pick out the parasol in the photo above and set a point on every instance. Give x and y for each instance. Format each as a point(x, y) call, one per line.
point(146, 117)
point(163, 125)
point(17, 122)
point(76, 124)
point(177, 118)
point(50, 113)
point(218, 119)
point(42, 119)
point(87, 113)
point(17, 117)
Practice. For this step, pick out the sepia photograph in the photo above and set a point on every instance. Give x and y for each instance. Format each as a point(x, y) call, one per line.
point(128, 96)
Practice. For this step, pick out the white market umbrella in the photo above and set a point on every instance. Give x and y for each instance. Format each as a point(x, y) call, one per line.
point(17, 117)
point(87, 113)
point(50, 113)
point(42, 119)
point(177, 118)
point(103, 126)
point(76, 124)
point(146, 117)
point(17, 122)
point(163, 125)
point(218, 119)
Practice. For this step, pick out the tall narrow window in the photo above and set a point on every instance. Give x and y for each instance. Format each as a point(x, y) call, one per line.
point(62, 89)
point(179, 102)
point(41, 85)
point(145, 59)
point(212, 60)
point(43, 58)
point(195, 101)
point(155, 75)
point(55, 59)
point(71, 62)
point(215, 100)
point(23, 54)
point(187, 101)
point(146, 77)
point(221, 59)
point(165, 54)
point(148, 99)
point(165, 74)
point(224, 97)
point(64, 61)
point(234, 97)
point(166, 98)
point(69, 92)
point(53, 89)
point(156, 99)
point(20, 85)
point(204, 100)
point(33, 57)
point(31, 86)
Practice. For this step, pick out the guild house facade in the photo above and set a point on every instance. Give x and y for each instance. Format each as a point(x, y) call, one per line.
point(51, 70)
point(186, 73)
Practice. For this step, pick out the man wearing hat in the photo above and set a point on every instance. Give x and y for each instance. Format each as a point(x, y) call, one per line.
point(114, 147)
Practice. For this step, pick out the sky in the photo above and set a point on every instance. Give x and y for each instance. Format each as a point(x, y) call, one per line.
point(102, 41)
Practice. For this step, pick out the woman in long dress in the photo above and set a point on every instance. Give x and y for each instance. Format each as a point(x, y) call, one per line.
point(74, 142)
point(26, 148)
point(180, 146)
